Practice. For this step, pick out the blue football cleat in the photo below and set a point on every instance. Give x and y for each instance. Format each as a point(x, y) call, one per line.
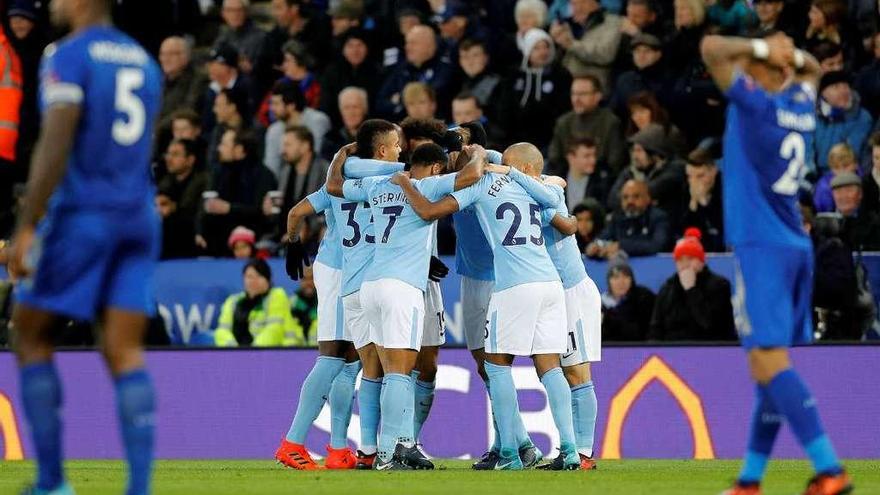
point(509, 461)
point(63, 489)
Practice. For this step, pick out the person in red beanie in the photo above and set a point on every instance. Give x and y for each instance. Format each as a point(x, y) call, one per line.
point(693, 304)
point(241, 242)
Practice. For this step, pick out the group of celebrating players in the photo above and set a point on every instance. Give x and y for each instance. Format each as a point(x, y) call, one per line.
point(524, 292)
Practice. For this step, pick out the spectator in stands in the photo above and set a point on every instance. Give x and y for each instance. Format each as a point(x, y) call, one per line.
point(239, 185)
point(648, 75)
point(840, 119)
point(871, 179)
point(590, 217)
point(861, 227)
point(587, 178)
point(653, 161)
point(638, 228)
point(182, 186)
point(732, 16)
point(304, 307)
point(527, 14)
point(457, 23)
point(230, 112)
point(187, 124)
point(242, 242)
point(771, 18)
point(345, 16)
point(835, 283)
point(473, 58)
point(466, 107)
point(868, 79)
point(682, 48)
point(703, 206)
point(184, 85)
point(589, 39)
point(534, 95)
point(301, 174)
point(840, 159)
point(641, 18)
point(354, 108)
point(829, 55)
point(693, 304)
point(260, 315)
point(587, 118)
point(28, 33)
point(296, 68)
point(423, 64)
point(354, 68)
point(644, 109)
point(420, 100)
point(826, 20)
point(240, 32)
point(289, 107)
point(223, 73)
point(626, 306)
point(294, 20)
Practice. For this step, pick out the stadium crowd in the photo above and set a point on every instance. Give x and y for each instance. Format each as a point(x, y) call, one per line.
point(259, 96)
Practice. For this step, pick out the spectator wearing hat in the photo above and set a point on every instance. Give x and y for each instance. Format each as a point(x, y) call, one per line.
point(241, 242)
point(649, 74)
point(183, 186)
point(638, 228)
point(240, 32)
point(693, 304)
point(861, 227)
point(626, 306)
point(653, 161)
point(457, 23)
point(534, 95)
point(294, 20)
point(587, 178)
point(702, 196)
point(183, 84)
point(260, 315)
point(733, 17)
point(840, 119)
point(344, 16)
point(353, 107)
point(588, 39)
point(587, 118)
point(641, 18)
point(289, 107)
point(223, 74)
point(840, 159)
point(355, 67)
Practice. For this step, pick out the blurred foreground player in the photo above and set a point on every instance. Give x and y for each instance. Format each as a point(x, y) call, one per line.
point(770, 123)
point(88, 237)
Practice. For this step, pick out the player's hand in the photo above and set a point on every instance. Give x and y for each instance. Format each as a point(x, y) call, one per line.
point(612, 249)
point(437, 270)
point(297, 259)
point(21, 244)
point(349, 149)
point(496, 169)
point(781, 50)
point(477, 152)
point(553, 180)
point(399, 178)
point(267, 206)
point(628, 27)
point(688, 278)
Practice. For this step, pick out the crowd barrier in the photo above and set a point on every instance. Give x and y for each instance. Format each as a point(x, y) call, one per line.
point(191, 292)
point(654, 402)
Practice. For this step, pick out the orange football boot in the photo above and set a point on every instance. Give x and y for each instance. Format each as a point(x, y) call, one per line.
point(340, 458)
point(295, 456)
point(738, 489)
point(827, 484)
point(587, 463)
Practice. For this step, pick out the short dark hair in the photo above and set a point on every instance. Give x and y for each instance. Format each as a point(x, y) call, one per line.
point(290, 93)
point(597, 213)
point(429, 154)
point(189, 146)
point(467, 95)
point(648, 4)
point(468, 43)
point(478, 133)
point(247, 140)
point(432, 129)
point(238, 99)
point(577, 142)
point(368, 136)
point(302, 133)
point(597, 84)
point(826, 49)
point(187, 114)
point(874, 140)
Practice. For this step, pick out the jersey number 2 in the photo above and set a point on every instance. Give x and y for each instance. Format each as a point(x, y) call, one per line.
point(128, 130)
point(794, 150)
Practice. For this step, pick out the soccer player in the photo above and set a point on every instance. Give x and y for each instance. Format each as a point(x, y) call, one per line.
point(335, 372)
point(392, 293)
point(88, 237)
point(527, 308)
point(770, 121)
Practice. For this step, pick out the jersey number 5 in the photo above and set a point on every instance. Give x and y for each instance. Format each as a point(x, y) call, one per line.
point(794, 150)
point(128, 130)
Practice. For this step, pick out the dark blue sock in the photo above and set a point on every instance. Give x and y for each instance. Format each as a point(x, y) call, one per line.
point(796, 403)
point(136, 405)
point(41, 395)
point(766, 422)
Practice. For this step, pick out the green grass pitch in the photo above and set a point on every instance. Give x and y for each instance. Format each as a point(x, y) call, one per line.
point(629, 477)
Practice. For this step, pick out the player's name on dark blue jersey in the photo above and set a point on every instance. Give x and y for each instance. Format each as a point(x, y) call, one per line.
point(498, 185)
point(804, 122)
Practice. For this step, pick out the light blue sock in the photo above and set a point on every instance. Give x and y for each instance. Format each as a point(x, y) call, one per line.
point(369, 399)
point(341, 399)
point(584, 411)
point(314, 392)
point(559, 397)
point(396, 400)
point(505, 406)
point(136, 405)
point(41, 396)
point(792, 398)
point(424, 392)
point(496, 442)
point(765, 425)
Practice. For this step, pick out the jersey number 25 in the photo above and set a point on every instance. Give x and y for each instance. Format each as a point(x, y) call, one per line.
point(794, 150)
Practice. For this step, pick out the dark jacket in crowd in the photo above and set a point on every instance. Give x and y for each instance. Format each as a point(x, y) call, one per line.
point(602, 125)
point(529, 100)
point(664, 182)
point(861, 232)
point(702, 313)
point(655, 79)
point(630, 319)
point(179, 228)
point(183, 92)
point(340, 75)
point(709, 219)
point(867, 83)
point(644, 235)
point(315, 35)
point(437, 73)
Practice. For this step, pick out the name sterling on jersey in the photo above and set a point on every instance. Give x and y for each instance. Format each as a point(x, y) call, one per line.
point(383, 198)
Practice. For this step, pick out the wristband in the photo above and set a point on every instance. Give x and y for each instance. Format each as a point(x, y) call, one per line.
point(760, 49)
point(799, 60)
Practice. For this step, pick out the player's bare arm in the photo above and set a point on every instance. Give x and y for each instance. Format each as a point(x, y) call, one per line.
point(566, 225)
point(722, 54)
point(335, 177)
point(425, 209)
point(295, 217)
point(47, 168)
point(475, 168)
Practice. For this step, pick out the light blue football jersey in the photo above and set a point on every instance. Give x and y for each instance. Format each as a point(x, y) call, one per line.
point(404, 242)
point(511, 220)
point(563, 249)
